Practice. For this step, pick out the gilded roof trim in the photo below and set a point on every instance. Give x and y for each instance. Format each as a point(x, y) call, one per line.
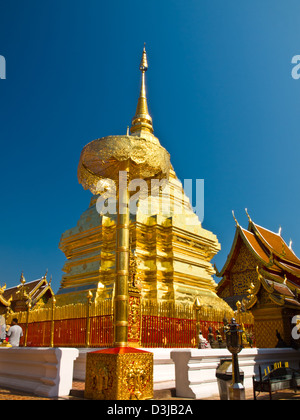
point(230, 255)
point(286, 267)
point(41, 294)
point(275, 294)
point(4, 301)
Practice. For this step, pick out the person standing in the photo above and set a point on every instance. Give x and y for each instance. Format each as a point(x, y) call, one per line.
point(15, 333)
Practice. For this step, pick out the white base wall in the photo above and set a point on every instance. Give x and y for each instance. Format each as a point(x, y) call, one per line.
point(46, 372)
point(195, 370)
point(49, 372)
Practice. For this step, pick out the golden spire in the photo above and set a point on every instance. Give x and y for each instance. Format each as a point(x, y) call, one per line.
point(142, 120)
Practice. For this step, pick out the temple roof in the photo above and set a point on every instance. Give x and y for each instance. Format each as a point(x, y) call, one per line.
point(278, 265)
point(268, 247)
point(275, 243)
point(31, 291)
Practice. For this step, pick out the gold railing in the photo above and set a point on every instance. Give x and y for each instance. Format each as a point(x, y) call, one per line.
point(90, 324)
point(72, 311)
point(51, 321)
point(170, 325)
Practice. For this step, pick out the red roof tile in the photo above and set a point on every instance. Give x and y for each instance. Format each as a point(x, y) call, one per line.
point(277, 245)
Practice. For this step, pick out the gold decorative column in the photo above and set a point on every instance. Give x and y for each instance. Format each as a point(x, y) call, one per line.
point(88, 318)
point(27, 322)
point(121, 300)
point(52, 322)
point(197, 307)
point(106, 165)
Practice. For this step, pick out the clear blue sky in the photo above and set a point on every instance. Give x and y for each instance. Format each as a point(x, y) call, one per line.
point(220, 93)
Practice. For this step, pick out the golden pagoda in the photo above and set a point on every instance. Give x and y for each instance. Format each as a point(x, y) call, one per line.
point(169, 248)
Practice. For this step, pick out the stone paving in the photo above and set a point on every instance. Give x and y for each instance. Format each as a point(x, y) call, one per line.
point(10, 394)
point(162, 395)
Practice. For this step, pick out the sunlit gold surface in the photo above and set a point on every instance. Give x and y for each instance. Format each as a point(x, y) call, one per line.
point(121, 297)
point(173, 251)
point(121, 376)
point(173, 257)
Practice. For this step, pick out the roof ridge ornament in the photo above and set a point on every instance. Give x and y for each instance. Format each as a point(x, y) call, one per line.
point(2, 289)
point(249, 218)
point(235, 219)
point(22, 279)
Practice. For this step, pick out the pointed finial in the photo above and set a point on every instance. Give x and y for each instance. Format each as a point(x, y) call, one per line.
point(249, 218)
point(142, 120)
point(22, 279)
point(236, 222)
point(290, 244)
point(144, 62)
point(197, 303)
point(2, 289)
point(279, 231)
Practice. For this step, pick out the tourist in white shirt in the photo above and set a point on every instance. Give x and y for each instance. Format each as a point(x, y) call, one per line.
point(15, 333)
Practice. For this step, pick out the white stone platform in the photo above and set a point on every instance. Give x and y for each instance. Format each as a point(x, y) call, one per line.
point(195, 370)
point(50, 371)
point(46, 372)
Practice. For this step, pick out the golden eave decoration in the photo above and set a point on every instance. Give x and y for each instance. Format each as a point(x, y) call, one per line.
point(4, 301)
point(279, 293)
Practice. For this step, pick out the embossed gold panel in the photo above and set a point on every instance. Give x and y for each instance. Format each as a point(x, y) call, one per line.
point(119, 374)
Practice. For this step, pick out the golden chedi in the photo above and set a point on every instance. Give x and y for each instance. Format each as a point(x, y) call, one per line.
point(170, 249)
